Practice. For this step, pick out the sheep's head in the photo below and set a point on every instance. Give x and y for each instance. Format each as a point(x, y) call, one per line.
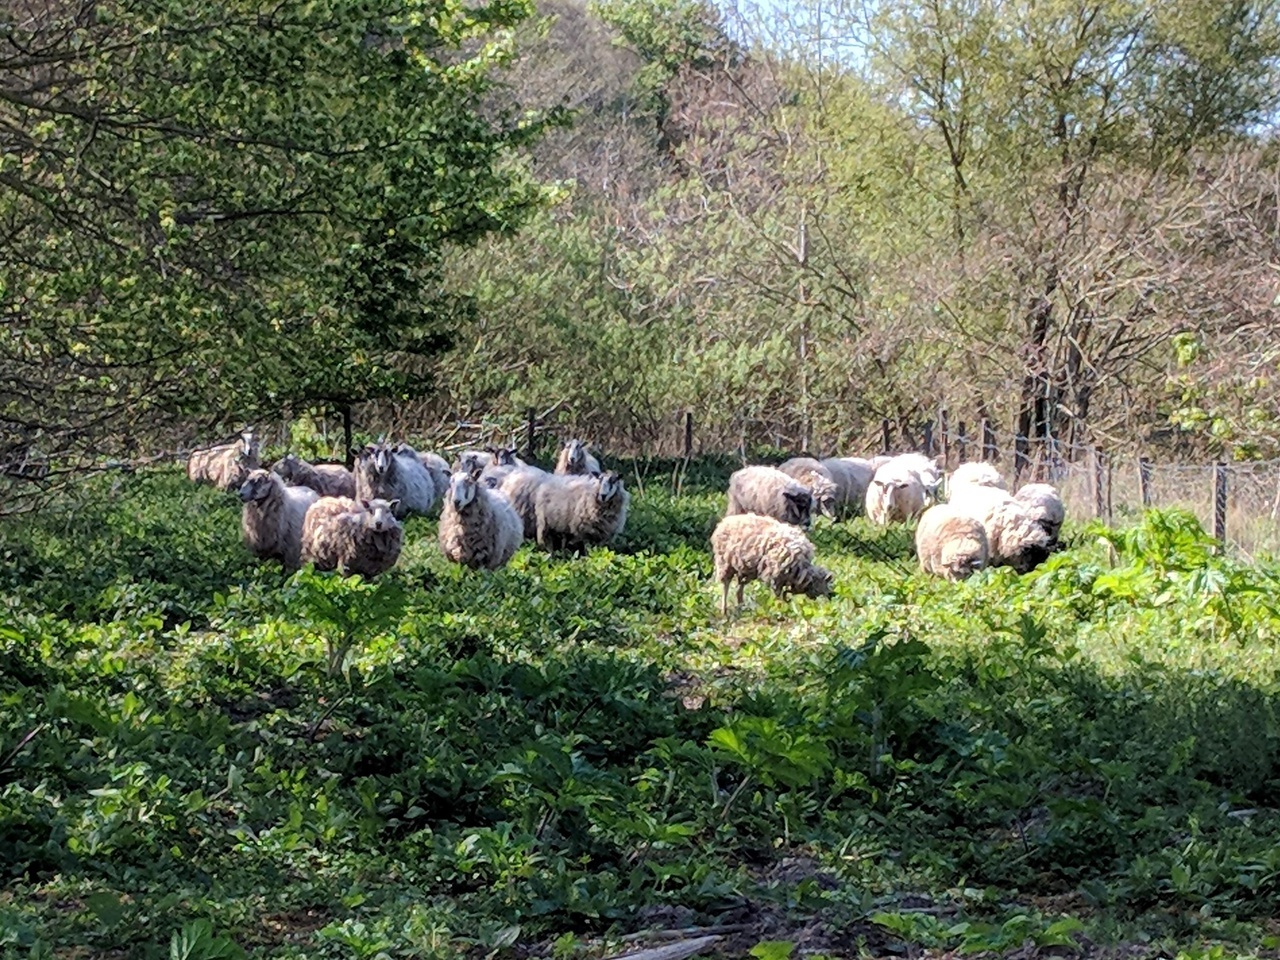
point(380, 514)
point(576, 454)
point(816, 582)
point(824, 494)
point(798, 507)
point(248, 443)
point(610, 486)
point(259, 486)
point(286, 467)
point(505, 456)
point(462, 488)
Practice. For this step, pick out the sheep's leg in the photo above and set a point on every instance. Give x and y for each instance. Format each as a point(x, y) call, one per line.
point(741, 586)
point(724, 596)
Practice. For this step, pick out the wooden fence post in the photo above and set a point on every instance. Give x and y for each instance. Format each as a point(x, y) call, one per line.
point(928, 438)
point(346, 436)
point(1220, 502)
point(962, 444)
point(884, 435)
point(688, 434)
point(1144, 481)
point(946, 438)
point(531, 422)
point(1020, 459)
point(1099, 498)
point(988, 441)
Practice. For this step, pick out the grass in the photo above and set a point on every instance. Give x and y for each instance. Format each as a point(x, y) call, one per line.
point(200, 758)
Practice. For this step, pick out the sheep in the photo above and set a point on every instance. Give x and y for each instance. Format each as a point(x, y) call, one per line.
point(469, 460)
point(326, 479)
point(226, 466)
point(573, 511)
point(352, 536)
point(395, 474)
point(574, 459)
point(478, 526)
point(520, 486)
point(437, 466)
point(1045, 504)
point(272, 517)
point(818, 478)
point(852, 476)
point(753, 547)
point(927, 469)
point(770, 493)
point(980, 474)
point(1015, 537)
point(895, 494)
point(950, 543)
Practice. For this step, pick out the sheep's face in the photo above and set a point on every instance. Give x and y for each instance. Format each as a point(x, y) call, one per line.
point(817, 583)
point(505, 457)
point(248, 444)
point(473, 460)
point(381, 514)
point(576, 454)
point(610, 487)
point(286, 467)
point(799, 507)
point(258, 486)
point(1052, 528)
point(462, 489)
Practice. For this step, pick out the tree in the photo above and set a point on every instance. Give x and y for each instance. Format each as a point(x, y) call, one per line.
point(218, 211)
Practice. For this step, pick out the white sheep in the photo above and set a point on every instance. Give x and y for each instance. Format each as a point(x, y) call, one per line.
point(478, 526)
point(1015, 537)
point(437, 466)
point(852, 476)
point(576, 511)
point(980, 474)
point(950, 543)
point(326, 479)
point(769, 492)
point(520, 485)
point(750, 547)
point(352, 536)
point(1045, 504)
point(226, 466)
point(895, 494)
point(395, 474)
point(272, 517)
point(574, 459)
point(818, 478)
point(928, 469)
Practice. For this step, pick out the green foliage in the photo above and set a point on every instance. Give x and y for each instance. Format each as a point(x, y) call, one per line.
point(536, 757)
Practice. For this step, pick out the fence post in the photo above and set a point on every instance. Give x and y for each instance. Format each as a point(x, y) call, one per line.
point(946, 438)
point(1220, 502)
point(928, 438)
point(962, 444)
point(884, 435)
point(688, 434)
point(1144, 481)
point(988, 441)
point(1020, 459)
point(531, 421)
point(1099, 499)
point(346, 436)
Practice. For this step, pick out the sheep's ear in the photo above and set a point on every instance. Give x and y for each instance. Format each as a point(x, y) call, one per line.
point(475, 472)
point(393, 504)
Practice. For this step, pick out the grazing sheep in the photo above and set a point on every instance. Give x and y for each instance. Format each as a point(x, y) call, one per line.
point(326, 479)
point(226, 466)
point(574, 511)
point(272, 517)
point(852, 476)
point(753, 547)
point(980, 474)
point(395, 474)
point(770, 493)
point(818, 478)
point(895, 494)
point(574, 459)
point(1015, 537)
point(950, 543)
point(352, 536)
point(520, 486)
point(928, 469)
point(478, 526)
point(1045, 504)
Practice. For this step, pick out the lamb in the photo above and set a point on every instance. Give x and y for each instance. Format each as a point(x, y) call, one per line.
point(770, 493)
point(753, 547)
point(520, 486)
point(895, 494)
point(574, 459)
point(574, 511)
point(226, 466)
point(272, 517)
point(818, 478)
point(981, 474)
point(852, 476)
point(395, 475)
point(1045, 504)
point(950, 543)
point(1015, 538)
point(352, 536)
point(326, 479)
point(478, 526)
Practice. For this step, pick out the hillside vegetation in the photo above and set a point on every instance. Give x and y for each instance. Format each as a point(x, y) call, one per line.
point(540, 760)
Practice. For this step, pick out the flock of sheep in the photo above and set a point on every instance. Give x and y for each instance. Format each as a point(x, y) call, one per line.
point(491, 501)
